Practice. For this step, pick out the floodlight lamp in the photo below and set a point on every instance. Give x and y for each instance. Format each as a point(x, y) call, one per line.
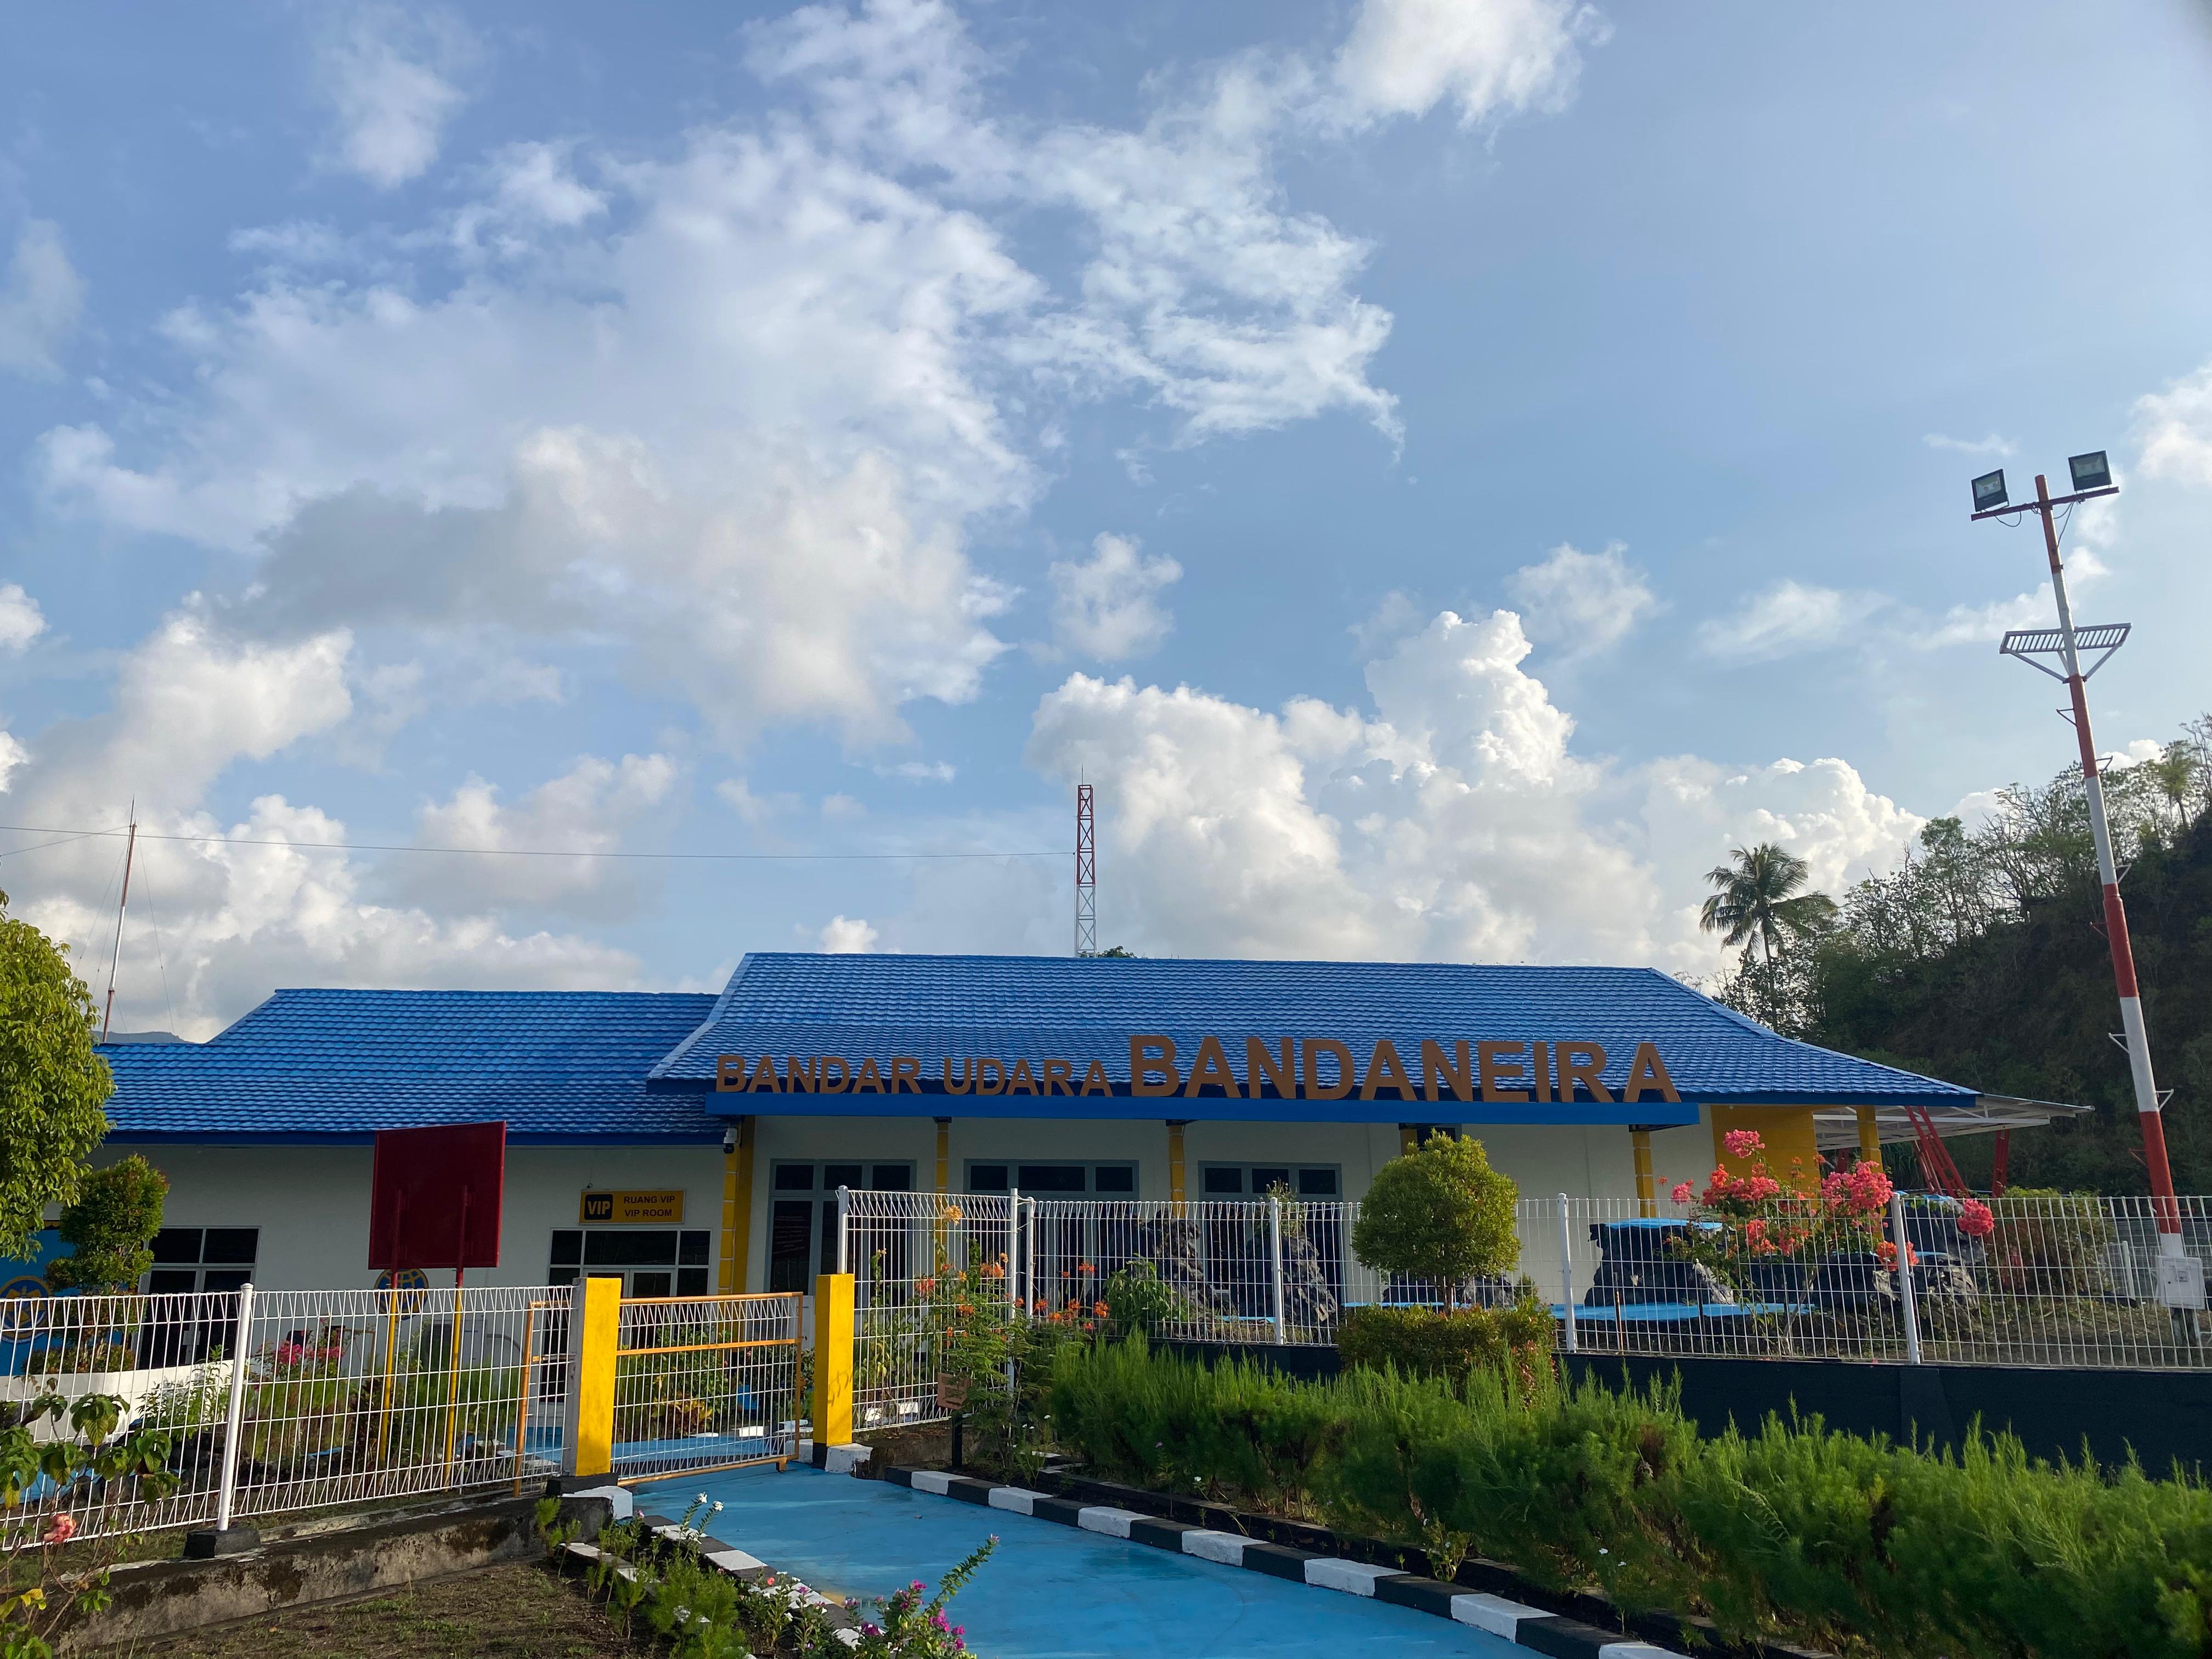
point(2091, 471)
point(1989, 491)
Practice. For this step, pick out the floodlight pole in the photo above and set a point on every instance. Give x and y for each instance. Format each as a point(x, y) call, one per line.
point(2147, 1112)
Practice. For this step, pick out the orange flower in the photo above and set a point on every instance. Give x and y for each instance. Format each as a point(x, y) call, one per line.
point(1099, 1309)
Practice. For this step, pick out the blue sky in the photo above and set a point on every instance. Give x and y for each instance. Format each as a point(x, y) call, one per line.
point(1445, 469)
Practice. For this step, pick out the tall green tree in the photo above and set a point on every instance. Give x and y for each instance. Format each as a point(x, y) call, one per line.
point(52, 1084)
point(1758, 900)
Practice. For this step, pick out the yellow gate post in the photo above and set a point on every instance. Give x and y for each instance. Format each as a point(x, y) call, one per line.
point(833, 1359)
point(595, 1377)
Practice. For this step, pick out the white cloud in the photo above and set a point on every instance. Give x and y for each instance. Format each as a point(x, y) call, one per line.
point(1453, 823)
point(266, 900)
point(1993, 447)
point(390, 81)
point(41, 302)
point(1492, 59)
point(840, 808)
point(1788, 618)
point(1584, 602)
point(589, 809)
point(1106, 606)
point(847, 936)
point(20, 619)
point(2174, 430)
point(919, 771)
point(1986, 624)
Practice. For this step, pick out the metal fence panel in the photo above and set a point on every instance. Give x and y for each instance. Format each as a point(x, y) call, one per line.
point(901, 1247)
point(706, 1382)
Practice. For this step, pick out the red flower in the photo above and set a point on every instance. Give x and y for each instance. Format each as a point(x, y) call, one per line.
point(1975, 1220)
point(60, 1529)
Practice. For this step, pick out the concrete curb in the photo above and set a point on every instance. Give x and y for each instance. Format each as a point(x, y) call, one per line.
point(1549, 1633)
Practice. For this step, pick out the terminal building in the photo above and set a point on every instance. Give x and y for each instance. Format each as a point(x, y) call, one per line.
point(693, 1143)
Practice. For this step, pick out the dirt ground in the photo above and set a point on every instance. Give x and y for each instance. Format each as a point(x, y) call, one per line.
point(519, 1612)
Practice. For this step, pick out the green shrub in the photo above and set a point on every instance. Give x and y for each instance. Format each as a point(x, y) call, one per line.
point(1439, 1213)
point(1423, 1342)
point(1797, 1532)
point(117, 1213)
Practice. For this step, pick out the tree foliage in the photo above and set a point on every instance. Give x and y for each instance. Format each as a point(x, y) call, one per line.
point(52, 1084)
point(1983, 959)
point(117, 1213)
point(1439, 1213)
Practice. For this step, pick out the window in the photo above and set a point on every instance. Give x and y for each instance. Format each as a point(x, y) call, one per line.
point(187, 1259)
point(649, 1260)
point(1257, 1179)
point(1054, 1180)
point(802, 1219)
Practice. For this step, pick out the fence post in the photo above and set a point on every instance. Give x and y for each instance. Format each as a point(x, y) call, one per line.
point(1567, 1269)
point(1275, 1262)
point(844, 1226)
point(1014, 1254)
point(832, 1412)
point(234, 1416)
point(1908, 1307)
point(1028, 1261)
point(594, 1333)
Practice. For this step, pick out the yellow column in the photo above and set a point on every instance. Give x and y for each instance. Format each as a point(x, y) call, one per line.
point(944, 1155)
point(1869, 1136)
point(1786, 1131)
point(833, 1359)
point(1176, 1186)
point(1407, 1141)
point(595, 1378)
point(736, 1209)
point(1647, 1195)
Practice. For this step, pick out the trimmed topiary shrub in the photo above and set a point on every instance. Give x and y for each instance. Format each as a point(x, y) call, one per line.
point(117, 1213)
point(1439, 1213)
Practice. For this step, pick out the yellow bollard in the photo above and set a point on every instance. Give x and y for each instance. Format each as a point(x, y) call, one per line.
point(833, 1359)
point(595, 1380)
point(1646, 1192)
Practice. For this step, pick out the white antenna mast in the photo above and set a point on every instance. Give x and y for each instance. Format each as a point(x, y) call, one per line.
point(129, 849)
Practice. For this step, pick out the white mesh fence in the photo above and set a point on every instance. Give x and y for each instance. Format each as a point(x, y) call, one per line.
point(2036, 1280)
point(925, 1265)
point(287, 1400)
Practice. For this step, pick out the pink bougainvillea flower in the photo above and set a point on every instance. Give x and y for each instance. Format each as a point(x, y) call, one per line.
point(1742, 1143)
point(1975, 1218)
point(1683, 1192)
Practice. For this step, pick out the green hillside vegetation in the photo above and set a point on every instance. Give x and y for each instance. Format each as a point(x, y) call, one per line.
point(1982, 960)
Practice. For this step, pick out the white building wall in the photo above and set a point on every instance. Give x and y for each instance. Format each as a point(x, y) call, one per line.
point(311, 1203)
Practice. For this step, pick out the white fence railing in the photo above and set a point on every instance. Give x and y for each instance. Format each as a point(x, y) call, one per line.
point(913, 1256)
point(280, 1401)
point(2053, 1281)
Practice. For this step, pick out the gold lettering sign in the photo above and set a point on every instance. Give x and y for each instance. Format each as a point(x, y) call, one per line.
point(1496, 1070)
point(664, 1208)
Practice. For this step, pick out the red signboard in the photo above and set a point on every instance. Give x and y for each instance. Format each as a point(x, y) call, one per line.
point(434, 1197)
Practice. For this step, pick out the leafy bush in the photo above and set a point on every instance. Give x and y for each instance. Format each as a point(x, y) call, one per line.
point(1440, 1213)
point(1797, 1532)
point(117, 1213)
point(1452, 1347)
point(2047, 1243)
point(1137, 1304)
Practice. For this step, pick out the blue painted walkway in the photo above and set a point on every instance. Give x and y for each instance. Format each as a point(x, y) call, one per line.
point(1051, 1592)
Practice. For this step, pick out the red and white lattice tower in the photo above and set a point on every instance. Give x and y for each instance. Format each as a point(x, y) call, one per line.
point(1086, 873)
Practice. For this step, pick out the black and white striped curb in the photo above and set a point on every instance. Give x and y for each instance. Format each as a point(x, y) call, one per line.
point(1530, 1627)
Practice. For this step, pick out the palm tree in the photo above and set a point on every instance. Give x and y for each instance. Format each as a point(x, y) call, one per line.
point(2175, 773)
point(1756, 901)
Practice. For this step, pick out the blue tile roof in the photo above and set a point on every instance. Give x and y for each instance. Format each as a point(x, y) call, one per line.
point(1034, 1007)
point(335, 1064)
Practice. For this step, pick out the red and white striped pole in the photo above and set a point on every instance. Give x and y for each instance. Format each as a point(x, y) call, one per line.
point(2168, 1213)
